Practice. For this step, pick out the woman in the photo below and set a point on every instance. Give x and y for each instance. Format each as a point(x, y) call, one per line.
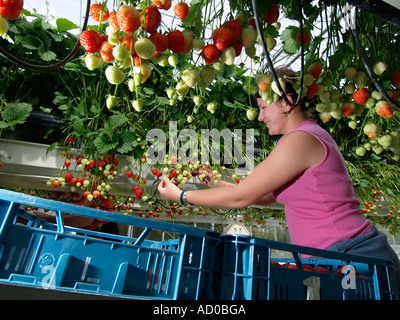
point(307, 173)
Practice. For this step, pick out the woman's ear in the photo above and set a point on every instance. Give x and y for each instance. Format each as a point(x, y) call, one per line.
point(287, 106)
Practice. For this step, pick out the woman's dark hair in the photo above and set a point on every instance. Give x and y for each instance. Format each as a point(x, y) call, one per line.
point(290, 78)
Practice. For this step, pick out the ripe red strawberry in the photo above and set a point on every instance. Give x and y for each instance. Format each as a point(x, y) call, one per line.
point(395, 78)
point(306, 38)
point(272, 15)
point(160, 41)
point(129, 174)
point(222, 38)
point(113, 21)
point(211, 53)
point(128, 18)
point(312, 90)
point(106, 51)
point(361, 96)
point(68, 177)
point(70, 140)
point(97, 9)
point(67, 163)
point(176, 41)
point(238, 46)
point(138, 61)
point(315, 69)
point(152, 19)
point(181, 10)
point(235, 27)
point(11, 9)
point(91, 40)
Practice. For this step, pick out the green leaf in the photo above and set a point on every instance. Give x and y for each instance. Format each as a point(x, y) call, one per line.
point(115, 121)
point(104, 145)
point(46, 55)
point(4, 125)
point(64, 25)
point(16, 113)
point(126, 142)
point(289, 38)
point(95, 108)
point(78, 126)
point(31, 42)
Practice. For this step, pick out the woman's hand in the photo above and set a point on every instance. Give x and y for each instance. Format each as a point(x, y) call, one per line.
point(209, 177)
point(169, 190)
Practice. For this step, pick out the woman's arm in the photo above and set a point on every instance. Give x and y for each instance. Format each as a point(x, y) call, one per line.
point(294, 153)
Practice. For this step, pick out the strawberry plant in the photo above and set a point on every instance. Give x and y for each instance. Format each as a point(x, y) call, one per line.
point(145, 65)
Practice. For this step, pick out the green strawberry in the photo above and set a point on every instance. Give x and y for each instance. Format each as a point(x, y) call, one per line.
point(228, 55)
point(250, 51)
point(190, 119)
point(207, 75)
point(181, 88)
point(251, 114)
point(3, 26)
point(198, 44)
point(212, 107)
point(137, 105)
point(145, 48)
point(197, 100)
point(120, 53)
point(173, 60)
point(111, 102)
point(190, 77)
point(170, 93)
point(92, 61)
point(114, 75)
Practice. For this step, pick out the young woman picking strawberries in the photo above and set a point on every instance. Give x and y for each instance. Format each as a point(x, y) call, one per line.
point(307, 173)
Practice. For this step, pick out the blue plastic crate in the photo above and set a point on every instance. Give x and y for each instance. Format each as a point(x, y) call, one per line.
point(55, 256)
point(247, 268)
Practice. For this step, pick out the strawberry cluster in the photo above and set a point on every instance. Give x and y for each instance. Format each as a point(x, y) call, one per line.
point(94, 178)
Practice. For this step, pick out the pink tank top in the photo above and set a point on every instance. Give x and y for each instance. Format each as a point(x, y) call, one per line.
point(320, 205)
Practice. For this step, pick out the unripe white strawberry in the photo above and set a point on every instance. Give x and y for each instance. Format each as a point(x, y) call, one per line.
point(145, 48)
point(190, 77)
point(360, 79)
point(120, 53)
point(170, 93)
point(3, 26)
point(275, 87)
point(198, 44)
point(249, 35)
point(162, 60)
point(114, 75)
point(250, 51)
point(228, 55)
point(270, 42)
point(207, 75)
point(251, 114)
point(111, 102)
point(212, 107)
point(350, 72)
point(92, 61)
point(173, 60)
point(197, 100)
point(137, 105)
point(379, 68)
point(190, 119)
point(181, 88)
